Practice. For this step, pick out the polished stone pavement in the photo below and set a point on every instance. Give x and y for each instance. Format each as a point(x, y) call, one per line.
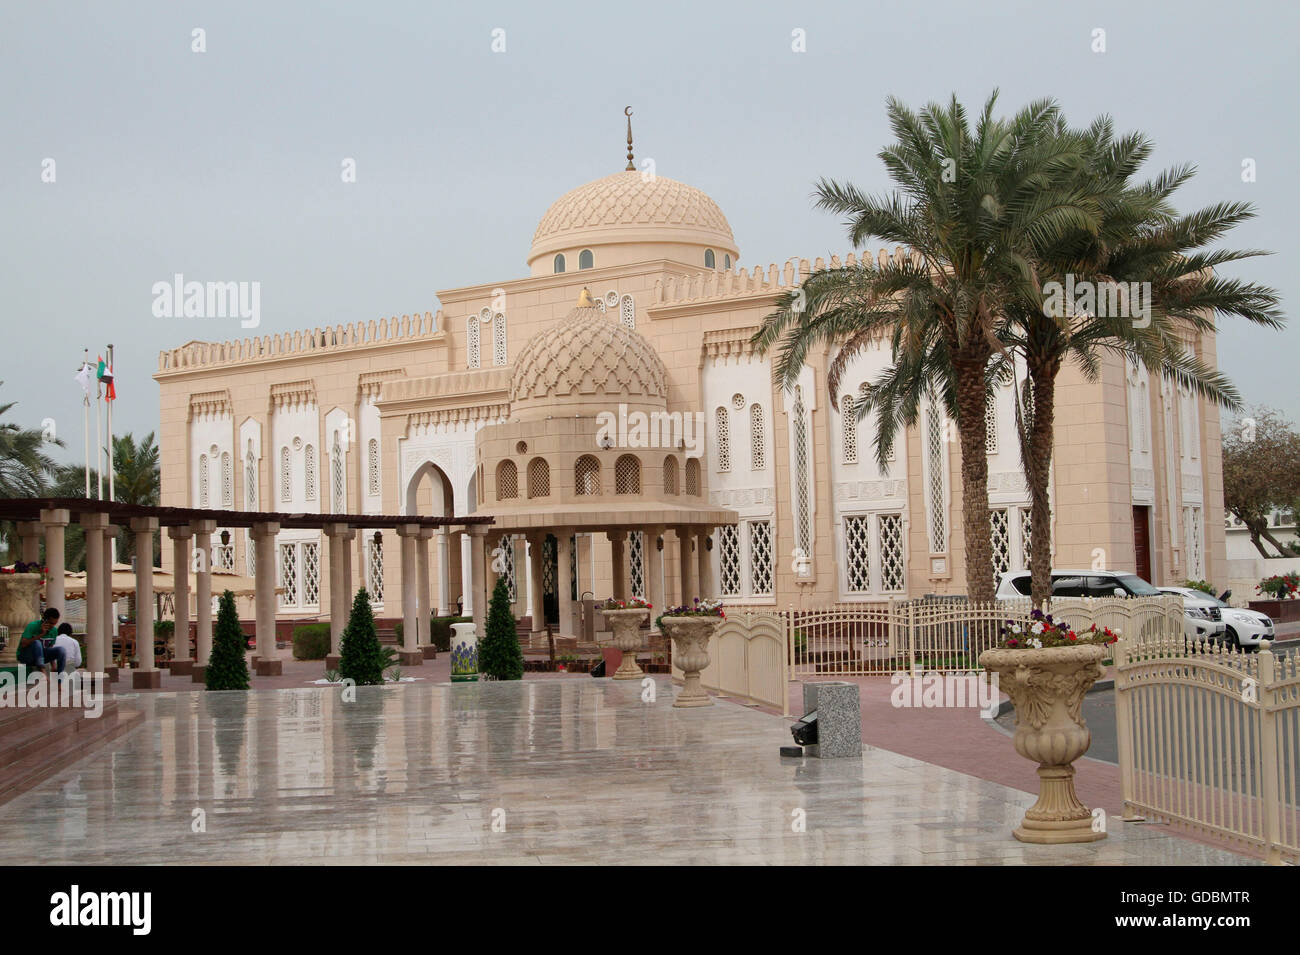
point(533, 772)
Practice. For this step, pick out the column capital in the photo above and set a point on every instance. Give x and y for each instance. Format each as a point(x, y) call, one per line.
point(93, 521)
point(408, 530)
point(425, 533)
point(339, 530)
point(477, 530)
point(617, 535)
point(265, 528)
point(56, 515)
point(144, 525)
point(203, 527)
point(180, 532)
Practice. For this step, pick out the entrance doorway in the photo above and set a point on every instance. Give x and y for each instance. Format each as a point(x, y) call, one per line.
point(1142, 541)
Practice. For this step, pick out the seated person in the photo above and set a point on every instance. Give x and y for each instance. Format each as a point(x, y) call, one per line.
point(31, 647)
point(66, 642)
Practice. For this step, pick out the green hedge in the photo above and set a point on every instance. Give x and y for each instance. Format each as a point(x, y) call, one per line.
point(311, 641)
point(164, 628)
point(440, 631)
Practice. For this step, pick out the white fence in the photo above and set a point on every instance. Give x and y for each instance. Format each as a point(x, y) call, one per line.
point(1209, 739)
point(747, 660)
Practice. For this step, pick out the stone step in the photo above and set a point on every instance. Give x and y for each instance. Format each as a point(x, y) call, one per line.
point(71, 741)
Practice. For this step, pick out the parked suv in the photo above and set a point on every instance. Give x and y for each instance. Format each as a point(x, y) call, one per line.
point(1199, 622)
point(1241, 627)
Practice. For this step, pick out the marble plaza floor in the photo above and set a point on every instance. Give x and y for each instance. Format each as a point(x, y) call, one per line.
point(534, 772)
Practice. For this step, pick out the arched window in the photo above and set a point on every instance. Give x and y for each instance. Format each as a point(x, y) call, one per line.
point(627, 475)
point(203, 480)
point(757, 439)
point(507, 481)
point(309, 471)
point(710, 260)
point(670, 475)
point(372, 467)
point(472, 342)
point(722, 421)
point(693, 477)
point(227, 480)
point(586, 260)
point(250, 479)
point(849, 429)
point(586, 476)
point(498, 339)
point(286, 487)
point(627, 311)
point(338, 480)
point(539, 478)
point(726, 260)
point(559, 263)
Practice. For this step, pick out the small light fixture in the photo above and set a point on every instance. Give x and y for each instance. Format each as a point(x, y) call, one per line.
point(225, 538)
point(659, 543)
point(378, 538)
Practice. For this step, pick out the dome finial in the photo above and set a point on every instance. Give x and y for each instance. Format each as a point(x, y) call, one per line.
point(584, 299)
point(627, 111)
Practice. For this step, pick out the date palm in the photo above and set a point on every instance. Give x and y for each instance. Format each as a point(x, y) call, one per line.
point(1141, 239)
point(26, 466)
point(137, 480)
point(971, 201)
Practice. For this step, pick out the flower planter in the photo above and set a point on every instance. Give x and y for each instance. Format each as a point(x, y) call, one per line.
point(464, 653)
point(1047, 687)
point(19, 606)
point(690, 636)
point(1281, 611)
point(626, 625)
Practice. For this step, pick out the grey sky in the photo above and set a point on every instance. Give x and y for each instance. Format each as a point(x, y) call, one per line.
point(226, 165)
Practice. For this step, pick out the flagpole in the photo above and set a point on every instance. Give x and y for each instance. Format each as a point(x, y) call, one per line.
point(99, 442)
point(111, 468)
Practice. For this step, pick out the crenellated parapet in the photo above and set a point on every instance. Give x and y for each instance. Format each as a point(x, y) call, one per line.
point(317, 341)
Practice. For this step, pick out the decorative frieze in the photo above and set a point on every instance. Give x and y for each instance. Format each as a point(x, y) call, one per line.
point(883, 490)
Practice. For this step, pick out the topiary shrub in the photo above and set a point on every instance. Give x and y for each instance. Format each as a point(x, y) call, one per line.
point(440, 631)
point(311, 641)
point(361, 658)
point(227, 668)
point(499, 656)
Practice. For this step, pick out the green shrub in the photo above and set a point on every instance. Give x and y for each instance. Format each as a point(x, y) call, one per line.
point(1204, 586)
point(440, 631)
point(311, 641)
point(499, 655)
point(163, 629)
point(227, 668)
point(361, 657)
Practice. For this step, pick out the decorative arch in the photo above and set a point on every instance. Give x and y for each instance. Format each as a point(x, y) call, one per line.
point(539, 478)
point(507, 480)
point(627, 474)
point(710, 260)
point(586, 476)
point(586, 260)
point(692, 482)
point(443, 505)
point(558, 263)
point(670, 475)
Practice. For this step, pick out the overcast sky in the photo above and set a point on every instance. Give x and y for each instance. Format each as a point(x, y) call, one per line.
point(225, 165)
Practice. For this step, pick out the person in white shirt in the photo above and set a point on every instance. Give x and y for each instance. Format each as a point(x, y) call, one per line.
point(66, 642)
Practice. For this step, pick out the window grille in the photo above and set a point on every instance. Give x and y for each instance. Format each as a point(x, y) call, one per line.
point(372, 467)
point(1000, 538)
point(760, 558)
point(507, 481)
point(893, 573)
point(627, 475)
point(586, 476)
point(227, 480)
point(309, 471)
point(693, 477)
point(757, 440)
point(723, 425)
point(670, 475)
point(472, 341)
point(857, 554)
point(935, 456)
point(849, 427)
point(203, 480)
point(286, 487)
point(636, 563)
point(803, 492)
point(539, 478)
point(729, 559)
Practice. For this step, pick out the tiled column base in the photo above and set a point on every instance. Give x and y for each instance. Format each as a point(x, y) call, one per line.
point(270, 667)
point(430, 651)
point(410, 658)
point(332, 661)
point(146, 679)
point(182, 667)
point(110, 674)
point(198, 674)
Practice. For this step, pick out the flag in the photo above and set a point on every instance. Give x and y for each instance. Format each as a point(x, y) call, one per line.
point(83, 377)
point(105, 374)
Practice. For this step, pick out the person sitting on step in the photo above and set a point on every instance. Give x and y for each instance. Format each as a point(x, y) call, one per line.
point(31, 646)
point(66, 642)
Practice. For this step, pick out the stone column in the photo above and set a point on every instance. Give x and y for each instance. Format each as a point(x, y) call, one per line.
point(410, 654)
point(704, 581)
point(478, 592)
point(55, 522)
point(110, 616)
point(469, 608)
point(444, 573)
point(690, 589)
point(340, 537)
point(146, 676)
point(203, 531)
point(563, 583)
point(618, 570)
point(29, 537)
point(654, 571)
point(98, 640)
point(181, 664)
point(422, 570)
point(349, 590)
point(536, 571)
point(268, 662)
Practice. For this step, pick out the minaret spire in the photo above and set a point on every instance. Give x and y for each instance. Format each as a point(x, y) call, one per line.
point(627, 111)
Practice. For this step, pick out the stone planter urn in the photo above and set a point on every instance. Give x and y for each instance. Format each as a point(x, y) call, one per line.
point(464, 653)
point(1047, 687)
point(690, 636)
point(626, 625)
point(19, 606)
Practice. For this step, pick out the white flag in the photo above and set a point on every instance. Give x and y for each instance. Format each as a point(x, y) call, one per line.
point(85, 377)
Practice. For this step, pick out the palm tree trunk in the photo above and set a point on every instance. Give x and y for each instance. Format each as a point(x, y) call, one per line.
point(1042, 428)
point(972, 432)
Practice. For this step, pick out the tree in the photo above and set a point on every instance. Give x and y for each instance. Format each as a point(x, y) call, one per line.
point(1261, 472)
point(137, 479)
point(970, 204)
point(361, 659)
point(1141, 245)
point(25, 466)
point(227, 667)
point(499, 655)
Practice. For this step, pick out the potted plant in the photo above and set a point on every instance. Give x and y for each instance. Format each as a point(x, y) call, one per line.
point(625, 617)
point(1281, 592)
point(690, 627)
point(20, 587)
point(1046, 668)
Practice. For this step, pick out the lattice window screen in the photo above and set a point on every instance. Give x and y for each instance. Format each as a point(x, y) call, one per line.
point(338, 479)
point(573, 567)
point(539, 478)
point(1026, 534)
point(309, 471)
point(627, 312)
point(508, 566)
point(227, 480)
point(1192, 532)
point(250, 482)
point(729, 559)
point(670, 475)
point(636, 563)
point(586, 476)
point(627, 475)
point(203, 480)
point(472, 341)
point(311, 573)
point(1000, 538)
point(372, 467)
point(849, 427)
point(991, 428)
point(498, 339)
point(802, 464)
point(286, 486)
point(935, 499)
point(857, 554)
point(760, 558)
point(722, 422)
point(693, 476)
point(375, 570)
point(289, 575)
point(757, 439)
point(250, 554)
point(507, 481)
point(223, 556)
point(893, 575)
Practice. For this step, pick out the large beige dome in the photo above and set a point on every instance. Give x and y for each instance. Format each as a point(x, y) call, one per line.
point(629, 209)
point(586, 364)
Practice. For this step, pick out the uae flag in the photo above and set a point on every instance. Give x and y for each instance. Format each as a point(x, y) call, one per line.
point(105, 374)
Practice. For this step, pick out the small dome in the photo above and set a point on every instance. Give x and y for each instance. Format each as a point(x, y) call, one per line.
point(586, 364)
point(629, 208)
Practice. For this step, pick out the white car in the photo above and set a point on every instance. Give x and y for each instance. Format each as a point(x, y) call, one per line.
point(1241, 628)
point(1199, 622)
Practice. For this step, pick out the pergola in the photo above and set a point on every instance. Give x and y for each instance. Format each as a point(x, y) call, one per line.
point(102, 520)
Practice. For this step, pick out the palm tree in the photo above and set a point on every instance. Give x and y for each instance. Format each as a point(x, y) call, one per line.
point(137, 480)
point(970, 204)
point(25, 466)
point(1141, 239)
